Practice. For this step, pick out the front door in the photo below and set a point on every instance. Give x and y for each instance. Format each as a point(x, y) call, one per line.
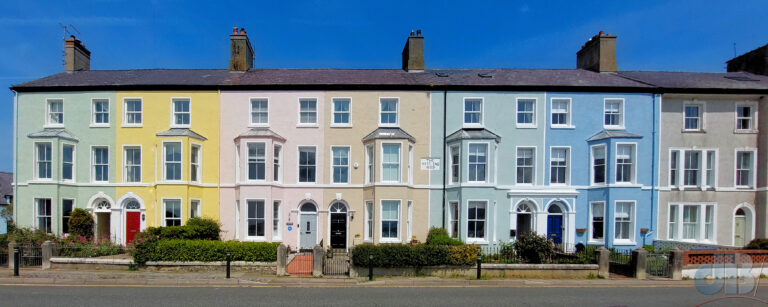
point(339, 230)
point(523, 225)
point(739, 230)
point(555, 228)
point(308, 231)
point(132, 225)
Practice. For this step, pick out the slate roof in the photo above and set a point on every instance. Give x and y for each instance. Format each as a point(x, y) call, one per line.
point(54, 133)
point(260, 132)
point(606, 134)
point(389, 133)
point(473, 133)
point(680, 81)
point(182, 132)
point(328, 78)
point(5, 186)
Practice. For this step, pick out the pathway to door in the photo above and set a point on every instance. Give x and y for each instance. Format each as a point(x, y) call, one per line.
point(301, 265)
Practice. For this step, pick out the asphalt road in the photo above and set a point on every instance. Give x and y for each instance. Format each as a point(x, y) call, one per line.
point(264, 296)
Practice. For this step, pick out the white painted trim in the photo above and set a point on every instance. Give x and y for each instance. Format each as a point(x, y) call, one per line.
point(484, 239)
point(125, 163)
point(634, 162)
point(333, 113)
point(247, 178)
point(749, 229)
point(535, 162)
point(535, 118)
point(633, 236)
point(348, 166)
point(567, 166)
point(125, 112)
point(298, 163)
point(47, 121)
point(569, 115)
point(399, 162)
point(316, 124)
point(250, 112)
point(173, 112)
point(591, 240)
point(397, 112)
point(622, 117)
point(93, 123)
point(487, 161)
point(464, 113)
point(399, 221)
point(592, 182)
point(164, 178)
point(753, 108)
point(93, 165)
point(702, 112)
point(181, 209)
point(61, 165)
point(199, 162)
point(35, 169)
point(753, 170)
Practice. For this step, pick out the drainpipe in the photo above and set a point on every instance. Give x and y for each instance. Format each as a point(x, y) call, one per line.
point(15, 155)
point(653, 169)
point(445, 144)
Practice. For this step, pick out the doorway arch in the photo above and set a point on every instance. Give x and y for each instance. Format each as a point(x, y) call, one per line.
point(743, 225)
point(526, 224)
point(338, 224)
point(555, 222)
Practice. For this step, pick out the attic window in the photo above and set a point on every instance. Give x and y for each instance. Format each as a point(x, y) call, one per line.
point(741, 78)
point(485, 75)
point(441, 74)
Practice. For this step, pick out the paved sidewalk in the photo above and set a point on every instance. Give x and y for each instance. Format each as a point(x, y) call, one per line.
point(242, 279)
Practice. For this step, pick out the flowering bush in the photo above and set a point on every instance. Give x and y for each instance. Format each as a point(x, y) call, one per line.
point(77, 246)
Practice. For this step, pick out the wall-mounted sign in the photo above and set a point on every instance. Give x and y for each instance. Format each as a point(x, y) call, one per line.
point(430, 164)
point(290, 228)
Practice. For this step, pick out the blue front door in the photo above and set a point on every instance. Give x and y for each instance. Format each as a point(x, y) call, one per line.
point(555, 228)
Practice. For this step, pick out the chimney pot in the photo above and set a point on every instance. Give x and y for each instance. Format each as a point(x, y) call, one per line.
point(234, 30)
point(418, 32)
point(242, 31)
point(411, 32)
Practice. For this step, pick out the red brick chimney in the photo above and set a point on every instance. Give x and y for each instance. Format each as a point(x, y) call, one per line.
point(241, 52)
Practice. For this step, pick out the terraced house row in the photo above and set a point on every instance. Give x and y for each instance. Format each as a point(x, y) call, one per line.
point(339, 157)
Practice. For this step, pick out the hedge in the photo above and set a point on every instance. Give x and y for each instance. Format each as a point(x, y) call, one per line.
point(419, 255)
point(195, 229)
point(204, 251)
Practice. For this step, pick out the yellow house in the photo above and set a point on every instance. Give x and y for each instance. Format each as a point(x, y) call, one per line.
point(167, 150)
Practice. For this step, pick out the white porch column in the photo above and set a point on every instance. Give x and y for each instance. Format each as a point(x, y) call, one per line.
point(116, 228)
point(541, 223)
point(570, 237)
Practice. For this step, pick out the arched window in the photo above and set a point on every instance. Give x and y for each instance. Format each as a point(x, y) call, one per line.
point(555, 209)
point(524, 208)
point(740, 212)
point(103, 205)
point(308, 207)
point(338, 207)
point(132, 205)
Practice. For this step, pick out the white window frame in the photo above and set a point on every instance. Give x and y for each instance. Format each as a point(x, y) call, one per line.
point(180, 162)
point(126, 165)
point(94, 165)
point(347, 166)
point(753, 117)
point(94, 113)
point(49, 215)
point(369, 222)
point(195, 202)
point(174, 124)
point(533, 164)
point(633, 167)
point(399, 222)
point(317, 114)
point(370, 165)
point(38, 161)
point(567, 164)
point(485, 220)
point(592, 165)
point(298, 164)
point(48, 122)
point(455, 163)
point(534, 117)
point(707, 166)
point(454, 217)
point(256, 159)
point(700, 105)
point(633, 224)
point(480, 112)
point(67, 217)
point(678, 168)
point(256, 237)
point(699, 169)
point(277, 220)
point(198, 164)
point(277, 163)
point(701, 222)
point(752, 170)
point(348, 112)
point(72, 163)
point(126, 112)
point(399, 162)
point(568, 113)
point(620, 114)
point(487, 161)
point(397, 112)
point(181, 210)
point(590, 227)
point(251, 101)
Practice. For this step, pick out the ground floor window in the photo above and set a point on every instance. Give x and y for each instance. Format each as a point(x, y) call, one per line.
point(476, 220)
point(390, 213)
point(453, 228)
point(624, 219)
point(597, 224)
point(691, 222)
point(172, 212)
point(368, 220)
point(256, 218)
point(194, 209)
point(276, 220)
point(66, 211)
point(44, 214)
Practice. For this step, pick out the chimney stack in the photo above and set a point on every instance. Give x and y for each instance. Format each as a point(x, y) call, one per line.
point(413, 53)
point(76, 57)
point(598, 54)
point(241, 52)
point(755, 61)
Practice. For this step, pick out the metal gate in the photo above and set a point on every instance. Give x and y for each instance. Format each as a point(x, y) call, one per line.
point(301, 264)
point(621, 262)
point(657, 265)
point(336, 262)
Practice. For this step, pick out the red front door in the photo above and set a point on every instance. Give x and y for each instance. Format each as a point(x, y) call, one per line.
point(132, 225)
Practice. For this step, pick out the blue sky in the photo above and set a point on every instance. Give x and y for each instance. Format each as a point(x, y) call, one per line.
point(652, 35)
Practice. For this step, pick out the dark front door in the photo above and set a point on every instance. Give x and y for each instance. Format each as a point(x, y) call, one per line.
point(338, 230)
point(555, 228)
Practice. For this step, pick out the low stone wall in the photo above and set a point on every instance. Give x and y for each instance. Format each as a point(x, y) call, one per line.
point(269, 268)
point(487, 270)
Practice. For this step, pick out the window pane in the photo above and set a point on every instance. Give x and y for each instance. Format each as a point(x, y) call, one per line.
point(306, 164)
point(391, 162)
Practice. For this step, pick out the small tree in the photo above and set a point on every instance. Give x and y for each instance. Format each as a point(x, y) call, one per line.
point(81, 223)
point(533, 248)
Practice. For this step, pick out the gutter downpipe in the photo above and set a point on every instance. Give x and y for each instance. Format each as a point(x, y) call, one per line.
point(15, 155)
point(653, 168)
point(445, 144)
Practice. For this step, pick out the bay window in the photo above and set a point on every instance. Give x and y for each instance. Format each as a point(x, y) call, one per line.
point(476, 220)
point(257, 161)
point(43, 160)
point(255, 218)
point(390, 163)
point(478, 162)
point(598, 164)
point(172, 160)
point(390, 220)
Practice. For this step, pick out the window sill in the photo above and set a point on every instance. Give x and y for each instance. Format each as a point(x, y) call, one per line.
point(624, 242)
point(53, 126)
point(341, 125)
point(252, 125)
point(563, 127)
point(744, 131)
point(477, 241)
point(596, 242)
point(181, 126)
point(613, 127)
point(99, 126)
point(307, 126)
point(466, 125)
point(693, 131)
point(389, 125)
point(525, 126)
point(745, 188)
point(131, 125)
point(255, 239)
point(390, 241)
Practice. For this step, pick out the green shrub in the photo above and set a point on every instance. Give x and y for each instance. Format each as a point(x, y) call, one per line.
point(202, 250)
point(195, 229)
point(4, 240)
point(418, 255)
point(757, 244)
point(81, 247)
point(81, 223)
point(439, 236)
point(30, 236)
point(649, 248)
point(533, 249)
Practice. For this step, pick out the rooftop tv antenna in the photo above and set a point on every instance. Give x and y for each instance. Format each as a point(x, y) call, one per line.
point(66, 32)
